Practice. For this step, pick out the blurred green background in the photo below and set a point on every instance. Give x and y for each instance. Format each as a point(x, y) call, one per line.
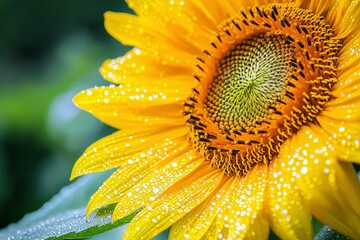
point(49, 50)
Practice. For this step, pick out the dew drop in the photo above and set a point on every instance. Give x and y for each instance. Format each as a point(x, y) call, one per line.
point(304, 170)
point(284, 212)
point(156, 190)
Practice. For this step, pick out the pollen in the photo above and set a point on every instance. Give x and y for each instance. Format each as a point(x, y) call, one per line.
point(267, 72)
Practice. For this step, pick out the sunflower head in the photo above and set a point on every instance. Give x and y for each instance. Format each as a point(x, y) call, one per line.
point(236, 117)
point(269, 71)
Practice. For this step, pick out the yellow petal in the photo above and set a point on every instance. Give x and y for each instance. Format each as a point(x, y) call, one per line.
point(150, 36)
point(174, 203)
point(343, 17)
point(345, 100)
point(336, 204)
point(345, 179)
point(137, 167)
point(126, 106)
point(344, 136)
point(239, 208)
point(192, 22)
point(349, 56)
point(345, 133)
point(265, 2)
point(347, 90)
point(259, 230)
point(329, 188)
point(155, 181)
point(247, 203)
point(318, 7)
point(347, 112)
point(197, 222)
point(213, 13)
point(139, 68)
point(290, 217)
point(128, 145)
point(216, 230)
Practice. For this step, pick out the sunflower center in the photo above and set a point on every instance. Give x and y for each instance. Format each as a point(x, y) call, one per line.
point(249, 79)
point(268, 72)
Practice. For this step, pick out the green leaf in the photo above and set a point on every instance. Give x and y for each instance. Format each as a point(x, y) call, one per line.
point(68, 225)
point(73, 196)
point(327, 233)
point(63, 217)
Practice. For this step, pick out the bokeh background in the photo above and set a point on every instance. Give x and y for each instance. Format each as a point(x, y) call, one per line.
point(49, 50)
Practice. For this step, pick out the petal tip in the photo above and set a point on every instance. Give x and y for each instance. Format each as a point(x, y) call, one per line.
point(73, 175)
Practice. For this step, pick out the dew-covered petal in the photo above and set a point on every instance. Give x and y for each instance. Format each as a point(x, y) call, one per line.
point(178, 200)
point(137, 167)
point(347, 112)
point(196, 223)
point(155, 182)
point(326, 206)
point(233, 212)
point(346, 91)
point(217, 230)
point(259, 230)
point(345, 101)
point(349, 56)
point(289, 215)
point(247, 202)
point(328, 186)
point(141, 69)
point(150, 36)
point(129, 145)
point(213, 13)
point(186, 20)
point(341, 117)
point(114, 187)
point(344, 136)
point(128, 105)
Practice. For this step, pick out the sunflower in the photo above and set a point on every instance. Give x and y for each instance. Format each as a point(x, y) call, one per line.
point(235, 117)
